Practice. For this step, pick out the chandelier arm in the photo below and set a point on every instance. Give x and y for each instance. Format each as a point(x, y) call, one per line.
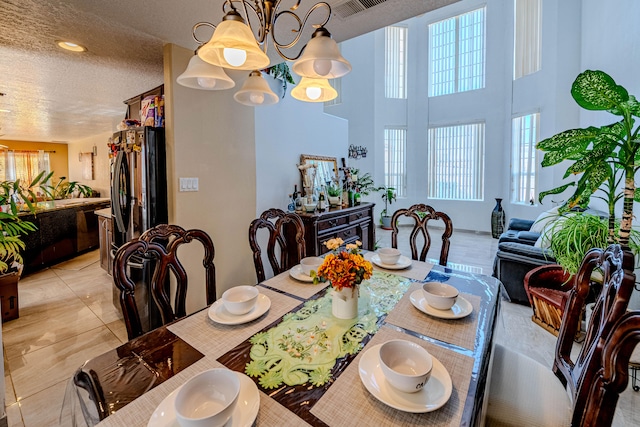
point(257, 9)
point(195, 28)
point(301, 24)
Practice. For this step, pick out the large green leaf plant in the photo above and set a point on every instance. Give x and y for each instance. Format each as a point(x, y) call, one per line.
point(16, 197)
point(603, 156)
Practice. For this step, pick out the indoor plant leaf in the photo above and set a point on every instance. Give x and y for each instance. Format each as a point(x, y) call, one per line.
point(556, 190)
point(596, 90)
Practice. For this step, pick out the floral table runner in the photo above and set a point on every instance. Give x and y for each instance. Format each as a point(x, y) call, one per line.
point(308, 349)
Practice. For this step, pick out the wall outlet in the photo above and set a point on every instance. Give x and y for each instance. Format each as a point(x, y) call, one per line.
point(188, 184)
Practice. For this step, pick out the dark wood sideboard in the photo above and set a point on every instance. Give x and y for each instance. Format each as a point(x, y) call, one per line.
point(350, 224)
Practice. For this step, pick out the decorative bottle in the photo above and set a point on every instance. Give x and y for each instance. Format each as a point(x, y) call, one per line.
point(497, 219)
point(322, 205)
point(292, 204)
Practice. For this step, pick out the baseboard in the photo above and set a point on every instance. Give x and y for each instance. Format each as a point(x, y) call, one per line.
point(455, 230)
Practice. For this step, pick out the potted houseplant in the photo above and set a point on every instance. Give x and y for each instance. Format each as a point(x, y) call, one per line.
point(334, 191)
point(14, 199)
point(602, 156)
point(388, 195)
point(66, 189)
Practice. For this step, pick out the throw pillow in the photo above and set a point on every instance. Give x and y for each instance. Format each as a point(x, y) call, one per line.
point(543, 219)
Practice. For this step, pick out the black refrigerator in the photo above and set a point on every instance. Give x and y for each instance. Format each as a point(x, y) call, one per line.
point(139, 202)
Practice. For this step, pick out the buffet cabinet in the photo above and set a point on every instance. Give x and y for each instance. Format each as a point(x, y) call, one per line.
point(350, 224)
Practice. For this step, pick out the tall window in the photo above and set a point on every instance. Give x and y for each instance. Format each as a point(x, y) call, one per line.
point(523, 158)
point(527, 37)
point(395, 159)
point(457, 54)
point(23, 165)
point(337, 85)
point(455, 156)
point(395, 62)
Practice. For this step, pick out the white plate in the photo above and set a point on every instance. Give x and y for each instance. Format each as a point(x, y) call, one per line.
point(219, 314)
point(434, 394)
point(403, 262)
point(296, 273)
point(460, 309)
point(243, 415)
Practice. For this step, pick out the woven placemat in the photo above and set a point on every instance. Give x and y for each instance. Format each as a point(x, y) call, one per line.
point(418, 269)
point(347, 402)
point(460, 332)
point(138, 412)
point(214, 339)
point(284, 282)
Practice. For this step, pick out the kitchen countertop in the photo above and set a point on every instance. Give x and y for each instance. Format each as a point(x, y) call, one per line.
point(106, 212)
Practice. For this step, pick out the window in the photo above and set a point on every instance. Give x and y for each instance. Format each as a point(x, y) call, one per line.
point(395, 159)
point(527, 37)
point(23, 165)
point(523, 158)
point(395, 62)
point(337, 85)
point(455, 156)
point(456, 54)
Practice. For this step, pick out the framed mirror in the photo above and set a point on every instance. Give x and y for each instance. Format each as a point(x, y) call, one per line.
point(317, 171)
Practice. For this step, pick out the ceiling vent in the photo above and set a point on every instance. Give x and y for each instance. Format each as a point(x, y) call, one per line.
point(351, 7)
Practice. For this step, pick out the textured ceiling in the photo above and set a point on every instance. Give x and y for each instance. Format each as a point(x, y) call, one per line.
point(56, 95)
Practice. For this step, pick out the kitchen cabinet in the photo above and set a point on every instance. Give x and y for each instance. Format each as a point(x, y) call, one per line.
point(350, 224)
point(62, 233)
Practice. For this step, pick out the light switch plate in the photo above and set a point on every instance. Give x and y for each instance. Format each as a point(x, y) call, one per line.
point(188, 184)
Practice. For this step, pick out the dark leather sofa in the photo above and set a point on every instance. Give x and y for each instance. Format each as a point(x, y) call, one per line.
point(516, 256)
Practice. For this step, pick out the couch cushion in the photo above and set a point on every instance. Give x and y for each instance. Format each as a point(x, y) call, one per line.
point(543, 219)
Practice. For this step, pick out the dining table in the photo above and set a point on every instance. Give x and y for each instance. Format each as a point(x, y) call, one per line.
point(306, 367)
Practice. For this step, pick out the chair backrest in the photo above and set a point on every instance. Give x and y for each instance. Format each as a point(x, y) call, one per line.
point(160, 245)
point(286, 245)
point(600, 372)
point(421, 215)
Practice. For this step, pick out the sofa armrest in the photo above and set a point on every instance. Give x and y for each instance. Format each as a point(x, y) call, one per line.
point(526, 252)
point(520, 224)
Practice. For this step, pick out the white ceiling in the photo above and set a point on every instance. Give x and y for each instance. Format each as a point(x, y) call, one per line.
point(61, 96)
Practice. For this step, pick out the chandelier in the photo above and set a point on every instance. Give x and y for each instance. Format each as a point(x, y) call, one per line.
point(240, 42)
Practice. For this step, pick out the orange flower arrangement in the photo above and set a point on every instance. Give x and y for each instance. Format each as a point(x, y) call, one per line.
point(344, 269)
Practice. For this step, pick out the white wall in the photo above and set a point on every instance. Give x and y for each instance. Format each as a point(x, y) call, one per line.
point(101, 171)
point(283, 132)
point(547, 92)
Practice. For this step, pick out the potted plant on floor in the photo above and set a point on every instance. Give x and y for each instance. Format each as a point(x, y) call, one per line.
point(603, 155)
point(14, 199)
point(388, 195)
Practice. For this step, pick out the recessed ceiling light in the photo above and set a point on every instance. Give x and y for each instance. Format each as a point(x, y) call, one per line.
point(4, 111)
point(71, 46)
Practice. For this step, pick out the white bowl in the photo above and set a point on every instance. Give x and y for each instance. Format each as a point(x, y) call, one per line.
point(440, 295)
point(310, 207)
point(389, 255)
point(208, 399)
point(310, 263)
point(405, 365)
point(240, 299)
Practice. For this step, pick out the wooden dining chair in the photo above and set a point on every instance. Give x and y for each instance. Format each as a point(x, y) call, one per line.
point(421, 214)
point(286, 245)
point(159, 245)
point(584, 392)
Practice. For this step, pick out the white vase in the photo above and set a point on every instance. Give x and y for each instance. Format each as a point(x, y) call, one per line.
point(344, 304)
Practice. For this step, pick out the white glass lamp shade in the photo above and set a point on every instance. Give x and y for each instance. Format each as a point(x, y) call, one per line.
point(322, 58)
point(255, 91)
point(234, 46)
point(202, 75)
point(314, 90)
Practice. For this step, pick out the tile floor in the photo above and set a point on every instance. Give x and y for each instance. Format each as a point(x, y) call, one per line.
point(66, 317)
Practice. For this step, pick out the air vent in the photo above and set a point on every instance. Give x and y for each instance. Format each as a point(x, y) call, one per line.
point(351, 7)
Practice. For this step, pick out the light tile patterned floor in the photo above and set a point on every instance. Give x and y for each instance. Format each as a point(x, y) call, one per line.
point(67, 316)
